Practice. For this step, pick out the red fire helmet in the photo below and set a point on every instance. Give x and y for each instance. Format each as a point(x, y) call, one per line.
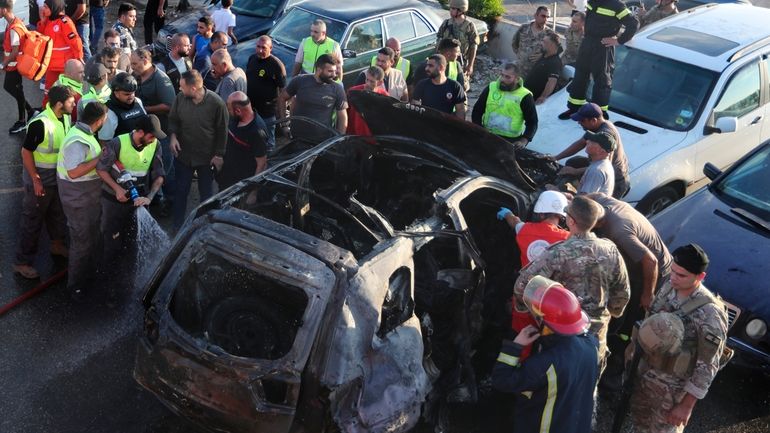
point(556, 306)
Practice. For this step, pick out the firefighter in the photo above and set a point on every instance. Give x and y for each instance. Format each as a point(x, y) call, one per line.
point(596, 56)
point(556, 384)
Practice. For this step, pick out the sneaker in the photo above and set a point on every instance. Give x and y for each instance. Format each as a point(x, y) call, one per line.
point(566, 115)
point(58, 249)
point(17, 127)
point(26, 271)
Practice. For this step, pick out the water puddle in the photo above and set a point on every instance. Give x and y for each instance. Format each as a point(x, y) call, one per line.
point(152, 242)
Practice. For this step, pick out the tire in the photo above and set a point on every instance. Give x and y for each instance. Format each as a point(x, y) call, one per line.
point(658, 200)
point(634, 6)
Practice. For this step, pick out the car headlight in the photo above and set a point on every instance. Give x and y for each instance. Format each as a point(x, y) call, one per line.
point(756, 328)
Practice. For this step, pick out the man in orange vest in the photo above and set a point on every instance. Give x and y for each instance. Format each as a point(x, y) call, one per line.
point(11, 44)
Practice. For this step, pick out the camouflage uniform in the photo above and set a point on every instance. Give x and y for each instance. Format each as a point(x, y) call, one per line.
point(573, 40)
point(591, 268)
point(466, 33)
point(655, 14)
point(526, 43)
point(658, 391)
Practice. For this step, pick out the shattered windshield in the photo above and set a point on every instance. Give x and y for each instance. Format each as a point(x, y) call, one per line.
point(657, 90)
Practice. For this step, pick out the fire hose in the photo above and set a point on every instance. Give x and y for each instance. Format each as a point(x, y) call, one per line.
point(33, 292)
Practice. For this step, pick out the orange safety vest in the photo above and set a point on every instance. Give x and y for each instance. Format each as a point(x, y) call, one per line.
point(16, 26)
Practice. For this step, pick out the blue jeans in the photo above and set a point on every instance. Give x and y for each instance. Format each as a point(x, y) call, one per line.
point(97, 27)
point(168, 165)
point(83, 31)
point(270, 129)
point(184, 177)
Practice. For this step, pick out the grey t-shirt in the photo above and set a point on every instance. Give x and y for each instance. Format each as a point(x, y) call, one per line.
point(598, 177)
point(157, 90)
point(233, 81)
point(633, 234)
point(316, 100)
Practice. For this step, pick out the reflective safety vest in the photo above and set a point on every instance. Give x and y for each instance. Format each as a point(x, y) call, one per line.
point(136, 162)
point(77, 137)
point(503, 115)
point(452, 70)
point(46, 153)
point(92, 95)
point(403, 65)
point(70, 83)
point(18, 26)
point(311, 51)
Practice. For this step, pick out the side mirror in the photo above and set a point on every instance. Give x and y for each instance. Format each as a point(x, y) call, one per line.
point(568, 72)
point(349, 54)
point(727, 124)
point(711, 171)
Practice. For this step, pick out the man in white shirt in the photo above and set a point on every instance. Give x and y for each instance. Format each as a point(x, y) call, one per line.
point(224, 20)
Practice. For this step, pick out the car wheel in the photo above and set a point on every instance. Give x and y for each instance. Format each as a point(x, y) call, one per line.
point(658, 200)
point(634, 7)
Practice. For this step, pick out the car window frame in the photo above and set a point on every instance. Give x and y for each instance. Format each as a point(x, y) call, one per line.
point(353, 25)
point(755, 62)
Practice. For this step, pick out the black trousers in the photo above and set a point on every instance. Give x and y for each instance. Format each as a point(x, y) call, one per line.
point(37, 212)
point(12, 84)
point(152, 22)
point(597, 61)
point(118, 228)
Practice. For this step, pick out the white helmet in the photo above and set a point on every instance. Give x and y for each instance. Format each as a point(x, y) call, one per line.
point(551, 202)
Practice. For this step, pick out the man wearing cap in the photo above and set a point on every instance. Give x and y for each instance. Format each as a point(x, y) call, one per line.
point(555, 386)
point(599, 175)
point(138, 155)
point(95, 87)
point(589, 116)
point(668, 386)
point(591, 267)
point(459, 27)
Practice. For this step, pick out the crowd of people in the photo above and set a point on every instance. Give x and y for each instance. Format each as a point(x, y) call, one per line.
point(119, 130)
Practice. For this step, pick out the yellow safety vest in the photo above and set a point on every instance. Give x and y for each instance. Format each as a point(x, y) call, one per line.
point(91, 95)
point(311, 51)
point(503, 115)
point(403, 65)
point(452, 70)
point(69, 82)
point(46, 153)
point(77, 136)
point(136, 162)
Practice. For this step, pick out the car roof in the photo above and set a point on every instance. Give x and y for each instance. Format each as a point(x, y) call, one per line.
point(353, 11)
point(710, 36)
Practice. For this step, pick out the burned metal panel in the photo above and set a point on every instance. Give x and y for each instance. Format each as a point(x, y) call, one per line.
point(378, 383)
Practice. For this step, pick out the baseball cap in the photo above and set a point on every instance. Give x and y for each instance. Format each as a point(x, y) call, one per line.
point(587, 111)
point(691, 257)
point(604, 140)
point(151, 125)
point(94, 72)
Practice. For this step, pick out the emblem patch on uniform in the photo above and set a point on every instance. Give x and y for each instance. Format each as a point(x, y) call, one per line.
point(449, 95)
point(261, 72)
point(56, 27)
point(71, 35)
point(713, 339)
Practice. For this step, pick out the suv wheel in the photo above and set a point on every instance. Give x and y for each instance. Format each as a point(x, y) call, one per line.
point(658, 200)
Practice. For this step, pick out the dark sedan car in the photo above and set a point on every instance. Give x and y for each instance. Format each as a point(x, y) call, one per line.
point(253, 18)
point(361, 28)
point(730, 219)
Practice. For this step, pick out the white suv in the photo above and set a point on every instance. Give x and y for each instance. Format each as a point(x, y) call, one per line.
point(689, 89)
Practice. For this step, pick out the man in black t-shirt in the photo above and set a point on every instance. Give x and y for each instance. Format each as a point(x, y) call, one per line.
point(78, 11)
point(245, 154)
point(544, 76)
point(265, 77)
point(439, 92)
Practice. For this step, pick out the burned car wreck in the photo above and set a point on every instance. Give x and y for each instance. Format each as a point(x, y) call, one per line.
point(357, 286)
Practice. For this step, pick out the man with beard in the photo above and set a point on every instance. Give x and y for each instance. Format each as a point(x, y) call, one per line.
point(177, 62)
point(202, 61)
point(246, 155)
point(124, 108)
point(439, 92)
point(198, 133)
point(393, 79)
point(41, 202)
point(507, 108)
point(137, 154)
point(544, 76)
point(317, 97)
point(265, 78)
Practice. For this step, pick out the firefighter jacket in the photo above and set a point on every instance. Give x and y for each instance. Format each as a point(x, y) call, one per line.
point(554, 386)
point(605, 17)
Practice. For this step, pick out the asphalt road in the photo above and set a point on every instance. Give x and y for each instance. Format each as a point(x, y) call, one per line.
point(67, 367)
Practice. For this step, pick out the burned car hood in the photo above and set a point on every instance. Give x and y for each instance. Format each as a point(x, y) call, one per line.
point(478, 148)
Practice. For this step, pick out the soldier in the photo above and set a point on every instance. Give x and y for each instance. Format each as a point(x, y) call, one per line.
point(590, 267)
point(663, 9)
point(596, 57)
point(459, 27)
point(528, 41)
point(670, 381)
point(574, 37)
point(558, 381)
